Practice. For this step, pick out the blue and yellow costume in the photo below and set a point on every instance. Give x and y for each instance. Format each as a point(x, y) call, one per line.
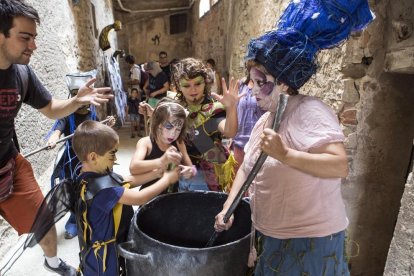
point(102, 222)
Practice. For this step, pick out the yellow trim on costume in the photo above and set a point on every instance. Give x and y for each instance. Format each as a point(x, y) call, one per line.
point(86, 226)
point(225, 173)
point(98, 245)
point(117, 212)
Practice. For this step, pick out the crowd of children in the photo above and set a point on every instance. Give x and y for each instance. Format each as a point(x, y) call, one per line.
point(182, 151)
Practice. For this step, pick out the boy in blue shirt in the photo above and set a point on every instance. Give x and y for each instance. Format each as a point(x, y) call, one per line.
point(101, 195)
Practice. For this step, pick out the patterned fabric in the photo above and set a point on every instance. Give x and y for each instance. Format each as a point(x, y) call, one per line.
point(205, 147)
point(324, 256)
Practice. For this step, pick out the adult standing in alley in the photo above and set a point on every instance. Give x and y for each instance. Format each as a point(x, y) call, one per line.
point(165, 64)
point(158, 83)
point(19, 84)
point(298, 212)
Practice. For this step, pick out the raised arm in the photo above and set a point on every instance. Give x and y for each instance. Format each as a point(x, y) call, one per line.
point(229, 99)
point(87, 94)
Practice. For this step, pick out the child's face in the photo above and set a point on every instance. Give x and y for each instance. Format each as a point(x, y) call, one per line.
point(170, 130)
point(193, 89)
point(107, 160)
point(134, 94)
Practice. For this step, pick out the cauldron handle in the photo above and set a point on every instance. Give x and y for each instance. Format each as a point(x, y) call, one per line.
point(124, 252)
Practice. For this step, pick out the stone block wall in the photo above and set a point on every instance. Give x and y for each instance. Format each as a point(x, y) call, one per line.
point(400, 260)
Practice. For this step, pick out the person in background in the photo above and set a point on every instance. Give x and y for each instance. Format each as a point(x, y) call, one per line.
point(19, 84)
point(297, 207)
point(132, 111)
point(101, 193)
point(248, 112)
point(134, 74)
point(165, 146)
point(165, 64)
point(66, 170)
point(158, 83)
point(216, 80)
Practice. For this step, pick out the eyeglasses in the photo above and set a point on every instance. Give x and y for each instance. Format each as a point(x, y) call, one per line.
point(163, 57)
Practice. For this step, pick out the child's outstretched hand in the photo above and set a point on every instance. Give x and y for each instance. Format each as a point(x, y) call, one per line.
point(145, 109)
point(171, 155)
point(110, 121)
point(172, 175)
point(186, 171)
point(230, 96)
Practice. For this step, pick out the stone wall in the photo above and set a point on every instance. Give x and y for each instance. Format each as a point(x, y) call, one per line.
point(400, 261)
point(65, 44)
point(138, 37)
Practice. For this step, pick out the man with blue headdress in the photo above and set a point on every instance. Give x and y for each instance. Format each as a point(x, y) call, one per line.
point(298, 213)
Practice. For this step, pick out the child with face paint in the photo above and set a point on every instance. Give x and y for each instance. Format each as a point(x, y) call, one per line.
point(298, 212)
point(165, 147)
point(211, 116)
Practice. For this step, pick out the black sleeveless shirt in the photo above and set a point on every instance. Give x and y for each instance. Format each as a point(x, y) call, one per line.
point(155, 153)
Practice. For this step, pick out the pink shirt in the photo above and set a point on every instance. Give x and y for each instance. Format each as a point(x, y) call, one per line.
point(287, 203)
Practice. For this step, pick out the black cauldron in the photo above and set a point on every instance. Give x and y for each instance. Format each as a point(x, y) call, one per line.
point(168, 236)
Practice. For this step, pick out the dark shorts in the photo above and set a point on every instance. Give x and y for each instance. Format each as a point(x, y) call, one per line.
point(134, 117)
point(21, 207)
point(302, 256)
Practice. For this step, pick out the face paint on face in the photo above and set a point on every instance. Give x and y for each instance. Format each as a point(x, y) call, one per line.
point(193, 89)
point(107, 160)
point(170, 130)
point(263, 84)
point(264, 89)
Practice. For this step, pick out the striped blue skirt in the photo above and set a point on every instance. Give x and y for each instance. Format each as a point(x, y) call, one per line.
point(323, 256)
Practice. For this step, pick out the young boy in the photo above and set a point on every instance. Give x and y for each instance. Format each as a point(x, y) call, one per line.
point(100, 195)
point(132, 111)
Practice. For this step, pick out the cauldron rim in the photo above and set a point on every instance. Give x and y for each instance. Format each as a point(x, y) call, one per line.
point(157, 198)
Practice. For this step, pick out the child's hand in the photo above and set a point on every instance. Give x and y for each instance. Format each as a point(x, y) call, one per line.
point(186, 171)
point(51, 143)
point(158, 173)
point(172, 175)
point(171, 155)
point(230, 96)
point(145, 109)
point(111, 121)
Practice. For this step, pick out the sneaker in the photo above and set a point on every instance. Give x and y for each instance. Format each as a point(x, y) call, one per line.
point(63, 269)
point(69, 235)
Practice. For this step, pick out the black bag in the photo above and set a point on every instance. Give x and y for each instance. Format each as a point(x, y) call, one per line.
point(6, 179)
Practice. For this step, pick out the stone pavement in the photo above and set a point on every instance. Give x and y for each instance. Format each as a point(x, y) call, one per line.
point(31, 262)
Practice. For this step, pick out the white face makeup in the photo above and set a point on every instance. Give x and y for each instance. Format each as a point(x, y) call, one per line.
point(193, 89)
point(265, 89)
point(170, 130)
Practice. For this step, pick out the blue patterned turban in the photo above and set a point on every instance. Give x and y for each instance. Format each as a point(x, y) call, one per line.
point(305, 27)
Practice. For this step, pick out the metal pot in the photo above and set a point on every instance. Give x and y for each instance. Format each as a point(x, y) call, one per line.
point(168, 235)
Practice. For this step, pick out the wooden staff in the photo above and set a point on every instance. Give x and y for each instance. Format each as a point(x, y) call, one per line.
point(57, 142)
